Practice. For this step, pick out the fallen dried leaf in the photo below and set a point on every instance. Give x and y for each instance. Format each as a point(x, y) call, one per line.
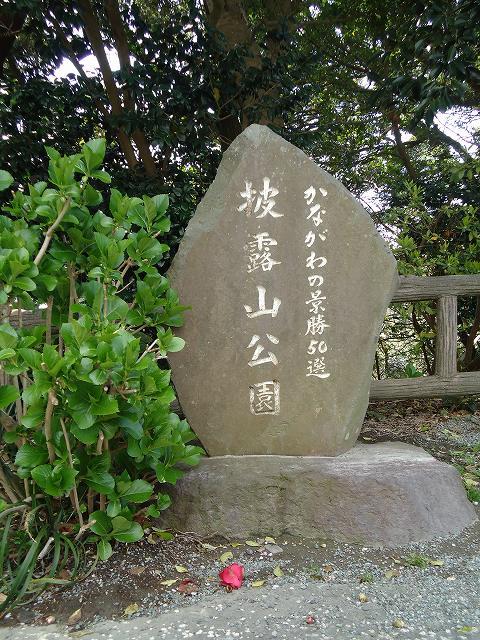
point(363, 597)
point(323, 545)
point(163, 534)
point(75, 617)
point(50, 619)
point(328, 568)
point(437, 563)
point(258, 583)
point(3, 597)
point(391, 573)
point(151, 539)
point(278, 571)
point(210, 547)
point(136, 571)
point(228, 555)
point(131, 609)
point(269, 540)
point(236, 544)
point(180, 569)
point(252, 543)
point(398, 623)
point(187, 587)
point(168, 583)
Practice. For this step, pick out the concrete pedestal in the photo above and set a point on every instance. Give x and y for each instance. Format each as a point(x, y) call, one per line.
point(385, 494)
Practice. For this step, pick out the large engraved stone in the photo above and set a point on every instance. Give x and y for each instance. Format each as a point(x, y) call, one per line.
point(288, 282)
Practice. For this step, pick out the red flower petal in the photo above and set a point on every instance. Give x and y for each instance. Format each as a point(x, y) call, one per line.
point(232, 576)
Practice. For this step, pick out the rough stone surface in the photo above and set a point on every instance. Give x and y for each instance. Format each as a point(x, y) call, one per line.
point(311, 226)
point(385, 494)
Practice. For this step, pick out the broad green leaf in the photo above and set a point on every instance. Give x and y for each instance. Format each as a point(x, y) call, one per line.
point(104, 549)
point(113, 508)
point(163, 501)
point(94, 150)
point(103, 524)
point(107, 405)
point(32, 357)
point(30, 456)
point(175, 344)
point(6, 179)
point(138, 491)
point(132, 534)
point(101, 482)
point(8, 394)
point(8, 336)
point(117, 308)
point(24, 283)
point(49, 282)
point(168, 474)
point(131, 427)
point(161, 203)
point(86, 436)
point(103, 176)
point(56, 481)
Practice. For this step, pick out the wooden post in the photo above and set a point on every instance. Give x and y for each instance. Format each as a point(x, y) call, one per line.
point(446, 342)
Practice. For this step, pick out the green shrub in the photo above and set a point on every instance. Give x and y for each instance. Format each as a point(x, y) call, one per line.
point(89, 437)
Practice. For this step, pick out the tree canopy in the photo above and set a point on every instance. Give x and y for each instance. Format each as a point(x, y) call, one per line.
point(363, 87)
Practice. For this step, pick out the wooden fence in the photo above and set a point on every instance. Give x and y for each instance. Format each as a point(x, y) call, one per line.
point(447, 381)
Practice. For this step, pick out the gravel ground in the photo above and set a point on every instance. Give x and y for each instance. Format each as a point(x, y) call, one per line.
point(350, 592)
point(327, 590)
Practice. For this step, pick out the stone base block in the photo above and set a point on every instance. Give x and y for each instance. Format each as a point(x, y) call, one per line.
point(385, 494)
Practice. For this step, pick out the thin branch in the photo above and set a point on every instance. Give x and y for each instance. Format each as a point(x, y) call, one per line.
point(72, 292)
point(46, 547)
point(51, 403)
point(48, 320)
point(148, 350)
point(7, 487)
point(84, 528)
point(70, 460)
point(51, 231)
point(92, 30)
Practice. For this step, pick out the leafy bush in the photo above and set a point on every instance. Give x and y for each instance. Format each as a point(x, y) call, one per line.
point(88, 433)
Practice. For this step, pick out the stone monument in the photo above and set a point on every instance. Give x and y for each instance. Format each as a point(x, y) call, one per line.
point(288, 282)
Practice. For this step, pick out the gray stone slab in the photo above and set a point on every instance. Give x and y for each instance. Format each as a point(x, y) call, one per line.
point(385, 494)
point(288, 282)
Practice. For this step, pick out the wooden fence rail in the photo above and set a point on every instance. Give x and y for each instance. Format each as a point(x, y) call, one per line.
point(447, 381)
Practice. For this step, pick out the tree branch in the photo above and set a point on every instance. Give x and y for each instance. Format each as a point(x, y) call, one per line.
point(92, 30)
point(121, 44)
point(70, 461)
point(51, 403)
point(51, 231)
